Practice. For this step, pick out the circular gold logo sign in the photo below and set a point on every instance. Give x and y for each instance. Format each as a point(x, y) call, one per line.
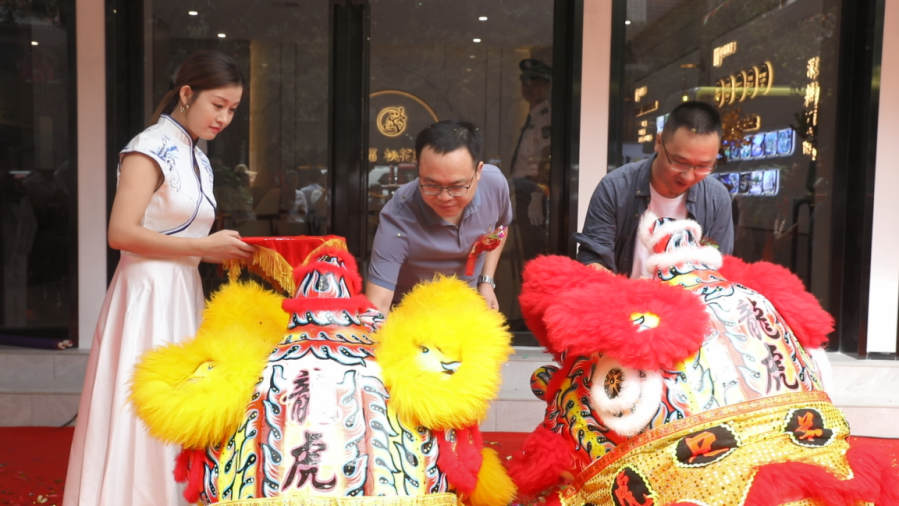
point(392, 121)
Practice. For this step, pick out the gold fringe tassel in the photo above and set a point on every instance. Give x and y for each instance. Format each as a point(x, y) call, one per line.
point(267, 264)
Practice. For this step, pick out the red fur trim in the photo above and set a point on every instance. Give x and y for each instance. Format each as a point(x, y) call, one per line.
point(546, 278)
point(875, 480)
point(350, 274)
point(461, 460)
point(355, 304)
point(543, 458)
point(189, 469)
point(800, 309)
point(592, 320)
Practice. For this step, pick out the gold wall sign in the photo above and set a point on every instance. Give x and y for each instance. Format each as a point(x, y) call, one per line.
point(740, 86)
point(812, 98)
point(765, 78)
point(728, 93)
point(814, 68)
point(640, 92)
point(751, 78)
point(751, 123)
point(392, 121)
point(722, 52)
point(648, 108)
point(405, 155)
point(748, 83)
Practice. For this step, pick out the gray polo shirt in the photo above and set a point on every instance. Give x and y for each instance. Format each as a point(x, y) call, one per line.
point(413, 243)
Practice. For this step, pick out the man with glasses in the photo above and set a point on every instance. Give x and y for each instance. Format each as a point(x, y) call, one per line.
point(671, 184)
point(432, 223)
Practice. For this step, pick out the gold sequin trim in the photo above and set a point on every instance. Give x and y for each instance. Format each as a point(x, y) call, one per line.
point(758, 426)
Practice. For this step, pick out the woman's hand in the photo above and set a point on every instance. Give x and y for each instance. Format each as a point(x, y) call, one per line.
point(224, 245)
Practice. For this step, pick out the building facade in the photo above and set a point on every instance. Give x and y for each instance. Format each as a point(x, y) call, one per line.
point(564, 92)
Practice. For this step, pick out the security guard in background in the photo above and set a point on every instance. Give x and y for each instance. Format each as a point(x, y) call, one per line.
point(530, 162)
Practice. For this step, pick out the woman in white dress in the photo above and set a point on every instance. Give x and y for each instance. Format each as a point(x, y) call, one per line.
point(161, 217)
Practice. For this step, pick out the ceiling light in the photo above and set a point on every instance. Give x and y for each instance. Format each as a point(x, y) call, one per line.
point(627, 22)
point(482, 18)
point(192, 13)
point(471, 56)
point(476, 40)
point(221, 35)
point(467, 70)
point(33, 42)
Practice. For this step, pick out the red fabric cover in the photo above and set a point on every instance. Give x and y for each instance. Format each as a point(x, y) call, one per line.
point(800, 309)
point(189, 469)
point(875, 480)
point(294, 249)
point(350, 274)
point(461, 460)
point(543, 458)
point(591, 313)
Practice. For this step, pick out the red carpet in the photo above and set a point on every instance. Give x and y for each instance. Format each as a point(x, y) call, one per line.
point(33, 461)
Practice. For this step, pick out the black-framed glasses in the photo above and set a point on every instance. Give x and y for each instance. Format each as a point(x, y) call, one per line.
point(683, 167)
point(453, 191)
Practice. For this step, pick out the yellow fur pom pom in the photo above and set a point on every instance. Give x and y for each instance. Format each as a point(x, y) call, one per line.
point(195, 393)
point(494, 487)
point(441, 351)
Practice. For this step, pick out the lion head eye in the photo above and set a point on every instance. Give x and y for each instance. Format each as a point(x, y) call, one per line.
point(424, 349)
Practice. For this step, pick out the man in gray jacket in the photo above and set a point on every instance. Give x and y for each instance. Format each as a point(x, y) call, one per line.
point(672, 184)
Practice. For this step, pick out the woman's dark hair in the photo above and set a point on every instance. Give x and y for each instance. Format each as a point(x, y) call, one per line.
point(203, 70)
point(698, 117)
point(449, 135)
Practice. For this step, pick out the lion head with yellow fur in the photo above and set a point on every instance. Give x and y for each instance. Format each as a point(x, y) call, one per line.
point(317, 399)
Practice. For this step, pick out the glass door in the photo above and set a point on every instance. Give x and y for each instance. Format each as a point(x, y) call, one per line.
point(271, 164)
point(38, 282)
point(489, 63)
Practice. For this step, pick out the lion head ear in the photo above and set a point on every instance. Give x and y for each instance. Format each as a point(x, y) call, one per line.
point(545, 280)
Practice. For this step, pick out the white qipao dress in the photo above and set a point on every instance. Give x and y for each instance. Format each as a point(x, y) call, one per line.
point(150, 302)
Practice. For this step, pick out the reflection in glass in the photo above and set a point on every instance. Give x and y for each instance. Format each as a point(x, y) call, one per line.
point(271, 163)
point(771, 69)
point(35, 181)
point(425, 67)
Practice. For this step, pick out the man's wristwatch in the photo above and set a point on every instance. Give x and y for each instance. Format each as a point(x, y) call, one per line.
point(488, 280)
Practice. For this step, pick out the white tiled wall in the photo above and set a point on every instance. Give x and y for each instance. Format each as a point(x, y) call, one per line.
point(43, 388)
point(40, 387)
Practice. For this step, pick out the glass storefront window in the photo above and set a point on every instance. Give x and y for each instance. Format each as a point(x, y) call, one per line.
point(271, 163)
point(37, 194)
point(771, 70)
point(485, 62)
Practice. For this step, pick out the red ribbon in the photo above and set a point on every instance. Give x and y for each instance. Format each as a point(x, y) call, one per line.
point(487, 242)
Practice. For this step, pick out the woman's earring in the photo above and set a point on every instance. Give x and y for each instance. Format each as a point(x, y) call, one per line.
point(181, 109)
point(184, 108)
